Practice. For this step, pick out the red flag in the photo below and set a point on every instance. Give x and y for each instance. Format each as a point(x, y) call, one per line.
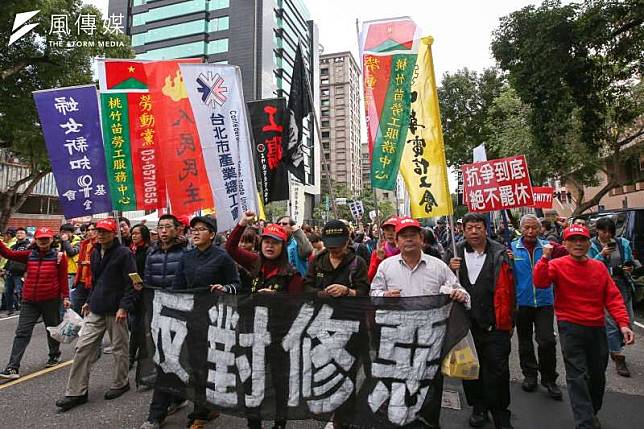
point(185, 174)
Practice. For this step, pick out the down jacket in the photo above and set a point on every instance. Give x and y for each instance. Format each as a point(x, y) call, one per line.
point(46, 275)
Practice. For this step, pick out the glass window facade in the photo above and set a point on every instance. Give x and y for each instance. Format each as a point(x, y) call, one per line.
point(217, 46)
point(170, 11)
point(180, 51)
point(169, 32)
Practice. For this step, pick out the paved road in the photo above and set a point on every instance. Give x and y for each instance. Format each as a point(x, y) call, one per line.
point(30, 402)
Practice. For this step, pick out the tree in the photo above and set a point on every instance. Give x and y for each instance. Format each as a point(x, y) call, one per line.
point(37, 61)
point(578, 67)
point(465, 98)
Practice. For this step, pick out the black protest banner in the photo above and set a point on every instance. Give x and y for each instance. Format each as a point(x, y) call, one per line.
point(368, 362)
point(269, 121)
point(299, 107)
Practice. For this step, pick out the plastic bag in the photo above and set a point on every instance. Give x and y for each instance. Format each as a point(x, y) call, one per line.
point(462, 361)
point(68, 329)
point(1, 285)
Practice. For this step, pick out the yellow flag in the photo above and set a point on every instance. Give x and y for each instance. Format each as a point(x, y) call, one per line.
point(423, 164)
point(260, 203)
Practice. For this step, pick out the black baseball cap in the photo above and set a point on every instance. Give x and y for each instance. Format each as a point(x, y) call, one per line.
point(335, 234)
point(209, 221)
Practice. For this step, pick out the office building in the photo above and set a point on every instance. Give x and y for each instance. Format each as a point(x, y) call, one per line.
point(260, 36)
point(340, 118)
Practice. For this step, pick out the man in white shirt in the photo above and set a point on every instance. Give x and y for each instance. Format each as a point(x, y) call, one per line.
point(413, 273)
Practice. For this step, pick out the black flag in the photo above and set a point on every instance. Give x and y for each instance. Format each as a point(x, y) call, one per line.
point(299, 107)
point(269, 120)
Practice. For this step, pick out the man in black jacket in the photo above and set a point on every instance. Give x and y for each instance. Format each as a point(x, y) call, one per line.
point(161, 267)
point(483, 268)
point(15, 272)
point(111, 298)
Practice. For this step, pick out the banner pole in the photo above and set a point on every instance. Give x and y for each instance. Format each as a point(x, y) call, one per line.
point(374, 190)
point(115, 213)
point(325, 162)
point(451, 232)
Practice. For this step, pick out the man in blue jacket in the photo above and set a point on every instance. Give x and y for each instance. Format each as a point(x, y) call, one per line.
point(535, 312)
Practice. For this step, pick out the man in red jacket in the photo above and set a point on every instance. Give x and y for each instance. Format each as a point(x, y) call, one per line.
point(44, 288)
point(583, 288)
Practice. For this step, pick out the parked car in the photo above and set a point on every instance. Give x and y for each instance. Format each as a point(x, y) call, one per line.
point(630, 225)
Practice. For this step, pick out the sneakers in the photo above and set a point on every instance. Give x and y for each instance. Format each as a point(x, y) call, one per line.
point(620, 365)
point(529, 384)
point(553, 390)
point(53, 361)
point(115, 393)
point(10, 374)
point(150, 425)
point(69, 402)
point(176, 406)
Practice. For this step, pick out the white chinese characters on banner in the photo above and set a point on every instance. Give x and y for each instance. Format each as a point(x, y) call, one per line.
point(323, 367)
point(222, 337)
point(412, 341)
point(497, 184)
point(169, 333)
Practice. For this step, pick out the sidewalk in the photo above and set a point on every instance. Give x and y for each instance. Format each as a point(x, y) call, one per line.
point(537, 411)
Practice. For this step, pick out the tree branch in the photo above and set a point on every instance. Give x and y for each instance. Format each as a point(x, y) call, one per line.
point(14, 188)
point(629, 139)
point(22, 64)
point(27, 192)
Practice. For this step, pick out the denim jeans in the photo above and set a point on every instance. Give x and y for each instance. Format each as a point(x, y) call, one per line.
point(615, 337)
point(29, 315)
point(13, 289)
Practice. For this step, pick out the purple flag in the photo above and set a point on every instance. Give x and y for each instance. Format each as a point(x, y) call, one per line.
point(71, 126)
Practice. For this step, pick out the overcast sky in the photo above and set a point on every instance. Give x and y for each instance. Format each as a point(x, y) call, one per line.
point(462, 29)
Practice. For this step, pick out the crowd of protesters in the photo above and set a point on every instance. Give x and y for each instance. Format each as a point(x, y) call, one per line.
point(529, 278)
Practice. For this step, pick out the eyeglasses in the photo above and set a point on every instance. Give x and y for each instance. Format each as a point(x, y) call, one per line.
point(163, 227)
point(199, 230)
point(284, 224)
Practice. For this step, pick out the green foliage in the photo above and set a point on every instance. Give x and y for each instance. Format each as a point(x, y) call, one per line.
point(578, 68)
point(33, 63)
point(465, 98)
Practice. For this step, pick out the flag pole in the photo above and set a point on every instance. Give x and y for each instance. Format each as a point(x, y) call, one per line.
point(374, 190)
point(325, 162)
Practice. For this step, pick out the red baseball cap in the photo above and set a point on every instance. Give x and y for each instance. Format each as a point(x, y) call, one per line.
point(392, 221)
point(44, 232)
point(407, 222)
point(576, 230)
point(108, 224)
point(275, 231)
point(184, 220)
